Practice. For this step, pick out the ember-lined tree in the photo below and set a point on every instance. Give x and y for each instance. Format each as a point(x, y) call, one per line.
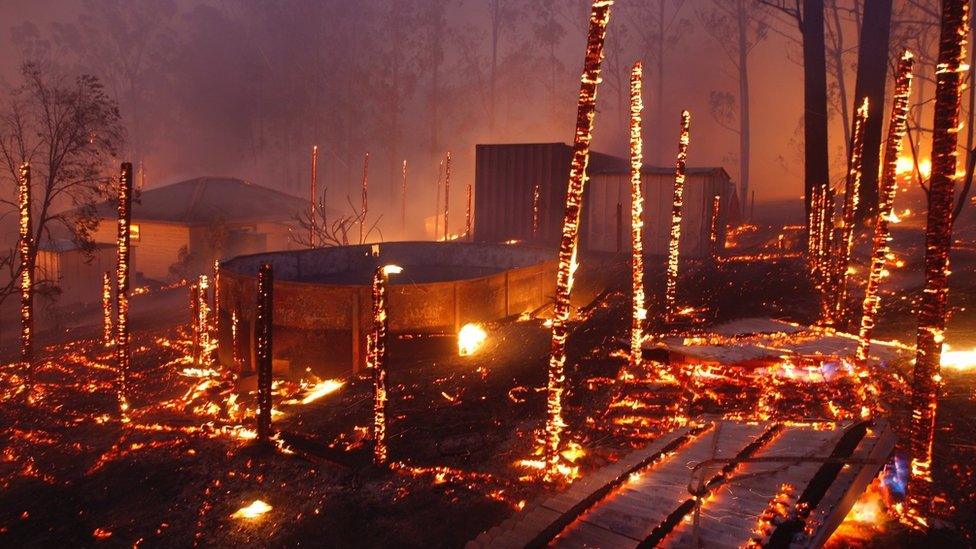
point(68, 129)
point(737, 27)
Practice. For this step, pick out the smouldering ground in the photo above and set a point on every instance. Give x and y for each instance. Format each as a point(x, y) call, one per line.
point(462, 432)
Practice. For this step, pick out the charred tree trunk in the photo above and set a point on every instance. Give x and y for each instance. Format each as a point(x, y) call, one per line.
point(815, 167)
point(872, 65)
point(938, 240)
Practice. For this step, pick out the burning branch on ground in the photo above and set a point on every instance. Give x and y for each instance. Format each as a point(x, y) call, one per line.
point(589, 82)
point(938, 240)
point(671, 286)
point(897, 127)
point(638, 312)
point(122, 287)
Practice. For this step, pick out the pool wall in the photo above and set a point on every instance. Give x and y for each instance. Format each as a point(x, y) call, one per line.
point(323, 326)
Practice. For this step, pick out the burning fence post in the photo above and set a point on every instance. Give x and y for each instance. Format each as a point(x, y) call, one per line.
point(25, 246)
point(265, 346)
point(107, 326)
point(897, 127)
point(589, 82)
point(938, 240)
point(122, 286)
point(467, 216)
point(403, 198)
point(381, 279)
point(313, 197)
point(852, 187)
point(365, 203)
point(671, 287)
point(535, 211)
point(447, 195)
point(636, 217)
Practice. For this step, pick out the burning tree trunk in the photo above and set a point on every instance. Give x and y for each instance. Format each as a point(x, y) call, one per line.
point(107, 326)
point(713, 223)
point(897, 127)
point(365, 203)
point(194, 322)
point(639, 313)
point(437, 200)
point(851, 189)
point(467, 216)
point(671, 287)
point(313, 197)
point(265, 346)
point(122, 287)
point(447, 194)
point(535, 211)
point(589, 82)
point(203, 319)
point(25, 247)
point(381, 279)
point(938, 240)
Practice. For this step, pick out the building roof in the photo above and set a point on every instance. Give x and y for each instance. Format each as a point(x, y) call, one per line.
point(204, 199)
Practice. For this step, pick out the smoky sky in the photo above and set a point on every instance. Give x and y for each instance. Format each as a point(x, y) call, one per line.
point(245, 88)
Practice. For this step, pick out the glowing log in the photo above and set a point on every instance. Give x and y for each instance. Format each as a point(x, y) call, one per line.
point(381, 279)
point(639, 313)
point(265, 345)
point(851, 190)
point(589, 82)
point(107, 326)
point(535, 211)
point(447, 195)
point(897, 126)
point(950, 74)
point(403, 197)
point(671, 286)
point(122, 286)
point(254, 511)
point(365, 201)
point(25, 246)
point(313, 197)
point(467, 215)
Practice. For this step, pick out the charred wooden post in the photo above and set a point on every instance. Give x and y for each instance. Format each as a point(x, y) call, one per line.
point(897, 127)
point(107, 327)
point(589, 82)
point(313, 197)
point(677, 206)
point(638, 312)
point(381, 279)
point(467, 216)
point(122, 286)
point(852, 186)
point(365, 196)
point(933, 309)
point(265, 348)
point(25, 247)
point(447, 194)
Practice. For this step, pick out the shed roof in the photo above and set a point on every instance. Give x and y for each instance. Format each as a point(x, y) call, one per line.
point(204, 199)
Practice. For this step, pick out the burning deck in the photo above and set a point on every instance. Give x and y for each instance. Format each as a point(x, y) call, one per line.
point(713, 484)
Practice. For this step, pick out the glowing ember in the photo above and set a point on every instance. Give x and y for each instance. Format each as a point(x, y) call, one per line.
point(933, 309)
point(255, 510)
point(122, 287)
point(962, 361)
point(321, 389)
point(638, 312)
point(589, 82)
point(879, 245)
point(470, 338)
point(671, 287)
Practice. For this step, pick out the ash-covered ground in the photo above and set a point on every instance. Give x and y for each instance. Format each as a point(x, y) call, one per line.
point(463, 431)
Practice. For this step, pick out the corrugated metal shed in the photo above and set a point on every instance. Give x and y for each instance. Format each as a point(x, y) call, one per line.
point(507, 174)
